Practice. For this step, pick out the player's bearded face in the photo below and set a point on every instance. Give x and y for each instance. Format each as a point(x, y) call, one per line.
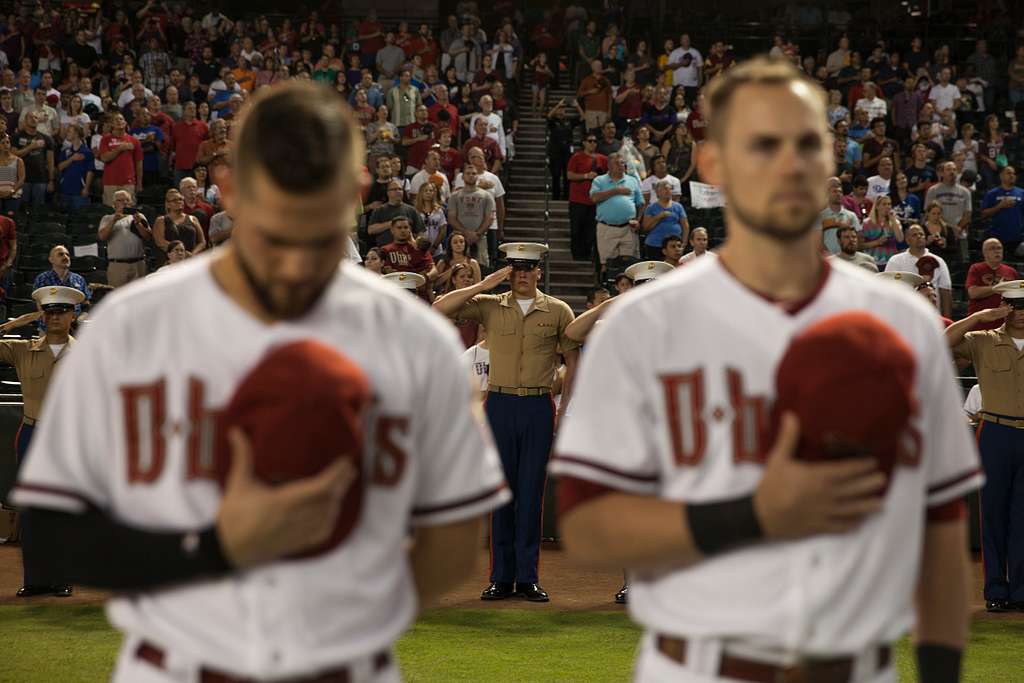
point(774, 160)
point(289, 246)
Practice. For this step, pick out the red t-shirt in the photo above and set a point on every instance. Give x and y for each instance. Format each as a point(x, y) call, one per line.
point(370, 46)
point(453, 118)
point(696, 124)
point(581, 162)
point(633, 106)
point(8, 232)
point(451, 162)
point(203, 213)
point(980, 275)
point(121, 169)
point(166, 125)
point(417, 151)
point(407, 258)
point(187, 137)
point(488, 145)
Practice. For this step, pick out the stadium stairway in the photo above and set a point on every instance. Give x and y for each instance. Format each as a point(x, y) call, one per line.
point(526, 201)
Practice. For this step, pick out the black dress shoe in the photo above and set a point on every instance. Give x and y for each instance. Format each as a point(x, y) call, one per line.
point(32, 591)
point(532, 592)
point(622, 595)
point(498, 591)
point(997, 605)
point(62, 591)
point(1017, 606)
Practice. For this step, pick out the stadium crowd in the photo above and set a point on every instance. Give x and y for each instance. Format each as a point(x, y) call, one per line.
point(116, 120)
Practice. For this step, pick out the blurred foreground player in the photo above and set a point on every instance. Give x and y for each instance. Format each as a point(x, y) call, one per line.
point(128, 480)
point(746, 561)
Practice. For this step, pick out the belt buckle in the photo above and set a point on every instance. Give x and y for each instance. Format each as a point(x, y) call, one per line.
point(794, 673)
point(522, 391)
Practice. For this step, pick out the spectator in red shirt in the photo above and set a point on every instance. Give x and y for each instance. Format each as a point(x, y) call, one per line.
point(417, 139)
point(629, 100)
point(187, 135)
point(451, 158)
point(584, 166)
point(983, 276)
point(371, 38)
point(443, 112)
point(492, 153)
point(426, 46)
point(195, 205)
point(402, 254)
point(8, 252)
point(695, 122)
point(121, 155)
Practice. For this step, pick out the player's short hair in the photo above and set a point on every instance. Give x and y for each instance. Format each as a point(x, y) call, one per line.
point(401, 219)
point(877, 120)
point(300, 135)
point(172, 245)
point(758, 71)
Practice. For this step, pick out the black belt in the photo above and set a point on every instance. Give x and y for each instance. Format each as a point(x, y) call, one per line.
point(124, 260)
point(615, 225)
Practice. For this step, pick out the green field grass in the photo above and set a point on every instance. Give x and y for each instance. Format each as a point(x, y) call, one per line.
point(46, 644)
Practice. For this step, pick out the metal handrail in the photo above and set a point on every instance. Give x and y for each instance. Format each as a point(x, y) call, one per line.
point(547, 204)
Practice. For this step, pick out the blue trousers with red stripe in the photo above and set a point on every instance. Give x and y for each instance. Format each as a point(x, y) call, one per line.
point(523, 428)
point(1002, 511)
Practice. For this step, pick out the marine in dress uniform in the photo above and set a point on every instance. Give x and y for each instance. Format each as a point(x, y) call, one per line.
point(526, 333)
point(998, 358)
point(34, 362)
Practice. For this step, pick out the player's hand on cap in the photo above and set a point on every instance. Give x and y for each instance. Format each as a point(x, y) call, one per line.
point(797, 498)
point(257, 523)
point(495, 279)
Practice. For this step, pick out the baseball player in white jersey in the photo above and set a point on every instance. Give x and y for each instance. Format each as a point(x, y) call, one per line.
point(125, 468)
point(747, 564)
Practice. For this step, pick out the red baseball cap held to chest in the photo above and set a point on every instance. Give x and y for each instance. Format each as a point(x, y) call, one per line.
point(849, 379)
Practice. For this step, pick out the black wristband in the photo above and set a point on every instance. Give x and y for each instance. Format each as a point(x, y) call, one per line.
point(723, 525)
point(938, 663)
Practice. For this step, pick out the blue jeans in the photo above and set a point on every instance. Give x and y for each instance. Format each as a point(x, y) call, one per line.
point(73, 202)
point(34, 193)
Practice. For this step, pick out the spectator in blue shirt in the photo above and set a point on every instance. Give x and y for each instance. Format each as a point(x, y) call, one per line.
point(60, 275)
point(861, 127)
point(151, 138)
point(854, 155)
point(619, 204)
point(1004, 206)
point(75, 165)
point(663, 218)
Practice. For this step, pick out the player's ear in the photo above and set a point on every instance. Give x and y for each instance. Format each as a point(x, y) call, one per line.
point(708, 162)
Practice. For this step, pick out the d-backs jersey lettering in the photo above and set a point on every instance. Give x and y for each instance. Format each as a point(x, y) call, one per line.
point(683, 418)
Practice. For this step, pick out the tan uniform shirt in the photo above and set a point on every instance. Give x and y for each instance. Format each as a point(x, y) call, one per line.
point(33, 361)
point(1000, 369)
point(524, 349)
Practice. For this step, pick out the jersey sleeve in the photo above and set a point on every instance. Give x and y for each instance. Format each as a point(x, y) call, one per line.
point(606, 436)
point(68, 465)
point(949, 454)
point(459, 474)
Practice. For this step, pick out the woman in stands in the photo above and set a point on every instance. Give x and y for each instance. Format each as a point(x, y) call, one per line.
point(882, 232)
point(374, 262)
point(12, 177)
point(905, 204)
point(680, 152)
point(178, 225)
point(462, 277)
point(442, 272)
point(940, 236)
point(428, 204)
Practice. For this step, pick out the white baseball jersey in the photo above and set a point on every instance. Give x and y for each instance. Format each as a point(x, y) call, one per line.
point(683, 418)
point(126, 428)
point(479, 362)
